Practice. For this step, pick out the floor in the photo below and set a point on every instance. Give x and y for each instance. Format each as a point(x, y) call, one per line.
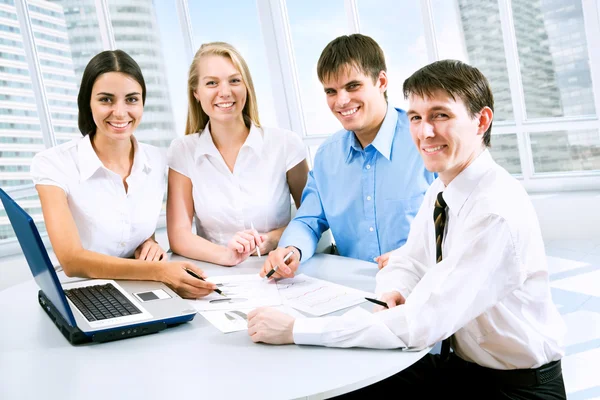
point(574, 267)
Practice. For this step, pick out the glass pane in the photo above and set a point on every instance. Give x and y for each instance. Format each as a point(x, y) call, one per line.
point(505, 151)
point(565, 151)
point(399, 32)
point(53, 46)
point(470, 30)
point(553, 57)
point(310, 34)
point(137, 32)
point(20, 130)
point(242, 31)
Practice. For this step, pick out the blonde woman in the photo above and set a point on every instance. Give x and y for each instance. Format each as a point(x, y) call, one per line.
point(229, 174)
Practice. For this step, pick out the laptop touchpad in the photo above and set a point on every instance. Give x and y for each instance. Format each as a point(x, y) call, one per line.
point(158, 294)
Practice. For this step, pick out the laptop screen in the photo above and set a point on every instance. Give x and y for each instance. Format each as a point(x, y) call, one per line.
point(36, 255)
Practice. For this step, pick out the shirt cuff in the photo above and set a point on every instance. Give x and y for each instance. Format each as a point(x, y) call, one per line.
point(310, 331)
point(294, 236)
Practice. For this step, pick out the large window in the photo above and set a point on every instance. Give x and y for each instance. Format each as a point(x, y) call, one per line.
point(542, 58)
point(238, 24)
point(136, 30)
point(399, 32)
point(20, 129)
point(311, 31)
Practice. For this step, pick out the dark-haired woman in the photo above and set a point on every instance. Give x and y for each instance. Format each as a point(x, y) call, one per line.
point(101, 194)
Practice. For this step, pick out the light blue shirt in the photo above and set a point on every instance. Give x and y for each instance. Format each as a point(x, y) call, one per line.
point(367, 197)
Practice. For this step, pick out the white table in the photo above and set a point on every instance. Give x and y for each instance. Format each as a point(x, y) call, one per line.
point(194, 360)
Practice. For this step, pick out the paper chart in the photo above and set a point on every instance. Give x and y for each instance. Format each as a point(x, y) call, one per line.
point(318, 297)
point(247, 291)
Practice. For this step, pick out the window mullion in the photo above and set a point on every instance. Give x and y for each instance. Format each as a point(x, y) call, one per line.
point(275, 28)
point(352, 16)
point(183, 12)
point(35, 72)
point(429, 31)
point(105, 25)
point(516, 86)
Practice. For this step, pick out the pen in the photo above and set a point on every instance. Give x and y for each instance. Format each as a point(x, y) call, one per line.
point(379, 302)
point(257, 248)
point(195, 275)
point(287, 257)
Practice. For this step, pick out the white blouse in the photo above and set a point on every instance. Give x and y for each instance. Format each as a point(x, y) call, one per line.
point(109, 220)
point(256, 193)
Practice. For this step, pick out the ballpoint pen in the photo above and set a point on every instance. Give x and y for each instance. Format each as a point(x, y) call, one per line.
point(379, 302)
point(195, 275)
point(287, 257)
point(257, 248)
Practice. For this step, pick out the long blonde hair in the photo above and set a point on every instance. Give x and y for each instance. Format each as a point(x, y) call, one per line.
point(196, 117)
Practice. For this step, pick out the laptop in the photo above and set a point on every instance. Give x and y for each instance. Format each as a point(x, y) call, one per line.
point(95, 310)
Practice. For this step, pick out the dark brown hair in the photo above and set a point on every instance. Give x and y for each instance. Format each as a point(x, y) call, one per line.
point(101, 63)
point(457, 79)
point(355, 50)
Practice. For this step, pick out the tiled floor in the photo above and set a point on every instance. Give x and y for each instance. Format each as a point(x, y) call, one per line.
point(574, 267)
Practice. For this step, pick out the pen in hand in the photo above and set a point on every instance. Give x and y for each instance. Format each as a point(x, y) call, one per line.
point(195, 275)
point(287, 257)
point(257, 248)
point(378, 302)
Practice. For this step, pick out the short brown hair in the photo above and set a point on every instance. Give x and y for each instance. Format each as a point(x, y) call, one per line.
point(457, 79)
point(359, 51)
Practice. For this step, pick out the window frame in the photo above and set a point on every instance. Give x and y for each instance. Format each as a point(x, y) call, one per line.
point(274, 22)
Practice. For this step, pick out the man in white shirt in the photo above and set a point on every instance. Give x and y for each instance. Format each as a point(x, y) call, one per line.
point(475, 277)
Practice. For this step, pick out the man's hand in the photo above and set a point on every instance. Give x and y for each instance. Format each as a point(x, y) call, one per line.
point(392, 299)
point(286, 269)
point(150, 250)
point(382, 260)
point(271, 326)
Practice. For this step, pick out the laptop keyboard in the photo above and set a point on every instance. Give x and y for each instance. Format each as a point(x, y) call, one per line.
point(101, 302)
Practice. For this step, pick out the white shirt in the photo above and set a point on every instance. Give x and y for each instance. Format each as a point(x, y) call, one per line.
point(255, 193)
point(109, 220)
point(491, 289)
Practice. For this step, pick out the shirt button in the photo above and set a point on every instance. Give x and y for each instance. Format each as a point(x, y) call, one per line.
point(122, 244)
point(368, 166)
point(371, 229)
point(369, 198)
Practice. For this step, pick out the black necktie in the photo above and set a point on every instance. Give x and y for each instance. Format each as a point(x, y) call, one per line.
point(439, 220)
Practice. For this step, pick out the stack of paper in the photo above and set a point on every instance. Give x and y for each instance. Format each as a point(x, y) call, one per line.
point(244, 293)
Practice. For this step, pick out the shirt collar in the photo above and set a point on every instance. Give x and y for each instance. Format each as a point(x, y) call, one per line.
point(206, 145)
point(461, 187)
point(383, 140)
point(140, 158)
point(89, 162)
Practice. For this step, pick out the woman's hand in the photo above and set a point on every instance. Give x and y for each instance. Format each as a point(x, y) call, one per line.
point(269, 243)
point(174, 275)
point(150, 250)
point(245, 241)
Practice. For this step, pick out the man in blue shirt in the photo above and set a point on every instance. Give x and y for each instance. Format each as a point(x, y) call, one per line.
point(368, 180)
